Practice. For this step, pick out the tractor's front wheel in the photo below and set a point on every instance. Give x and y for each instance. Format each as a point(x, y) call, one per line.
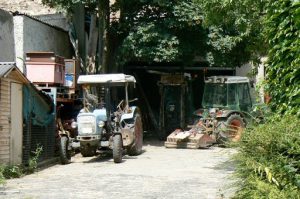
point(117, 148)
point(64, 153)
point(232, 128)
point(137, 146)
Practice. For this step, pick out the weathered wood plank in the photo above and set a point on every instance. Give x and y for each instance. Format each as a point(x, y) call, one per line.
point(4, 158)
point(4, 122)
point(4, 134)
point(5, 89)
point(4, 106)
point(4, 148)
point(5, 83)
point(5, 109)
point(5, 96)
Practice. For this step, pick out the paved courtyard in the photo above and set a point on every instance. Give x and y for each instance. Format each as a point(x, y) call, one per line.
point(157, 173)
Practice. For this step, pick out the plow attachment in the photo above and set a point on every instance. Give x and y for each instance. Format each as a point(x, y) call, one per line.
point(191, 139)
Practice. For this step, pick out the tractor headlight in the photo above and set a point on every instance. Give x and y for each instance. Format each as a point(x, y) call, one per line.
point(101, 124)
point(74, 125)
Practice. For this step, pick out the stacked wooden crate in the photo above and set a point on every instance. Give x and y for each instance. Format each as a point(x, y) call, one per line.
point(45, 68)
point(71, 74)
point(53, 74)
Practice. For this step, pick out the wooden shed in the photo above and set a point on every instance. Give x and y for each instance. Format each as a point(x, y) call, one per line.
point(26, 117)
point(11, 105)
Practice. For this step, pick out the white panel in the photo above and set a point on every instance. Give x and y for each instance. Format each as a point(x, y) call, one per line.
point(105, 78)
point(16, 139)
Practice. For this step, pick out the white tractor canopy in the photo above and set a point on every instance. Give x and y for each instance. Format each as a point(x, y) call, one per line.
point(227, 79)
point(113, 79)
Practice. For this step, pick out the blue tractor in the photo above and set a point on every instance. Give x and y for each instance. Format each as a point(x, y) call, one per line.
point(104, 124)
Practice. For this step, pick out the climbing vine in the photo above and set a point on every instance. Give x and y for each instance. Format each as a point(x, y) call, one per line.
point(283, 69)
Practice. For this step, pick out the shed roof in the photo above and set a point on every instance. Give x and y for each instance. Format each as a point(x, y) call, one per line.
point(6, 68)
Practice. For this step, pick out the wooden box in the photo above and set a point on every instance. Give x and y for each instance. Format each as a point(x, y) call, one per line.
point(71, 73)
point(45, 68)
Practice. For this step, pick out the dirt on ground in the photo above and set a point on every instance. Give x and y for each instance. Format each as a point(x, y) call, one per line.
point(156, 173)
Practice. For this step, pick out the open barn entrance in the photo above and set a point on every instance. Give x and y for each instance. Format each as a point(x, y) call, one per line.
point(170, 106)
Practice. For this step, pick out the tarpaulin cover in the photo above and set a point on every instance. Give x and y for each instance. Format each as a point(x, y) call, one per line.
point(36, 108)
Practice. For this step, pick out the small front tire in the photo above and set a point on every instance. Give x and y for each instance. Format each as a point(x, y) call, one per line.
point(117, 148)
point(65, 154)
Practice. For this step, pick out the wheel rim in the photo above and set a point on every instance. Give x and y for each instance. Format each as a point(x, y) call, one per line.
point(235, 130)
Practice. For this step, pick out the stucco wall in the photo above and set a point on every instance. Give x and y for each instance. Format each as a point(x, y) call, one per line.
point(6, 37)
point(32, 35)
point(258, 79)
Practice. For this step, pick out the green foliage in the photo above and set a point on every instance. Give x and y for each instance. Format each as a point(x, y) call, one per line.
point(68, 4)
point(33, 161)
point(283, 70)
point(268, 161)
point(152, 44)
point(16, 171)
point(2, 178)
point(164, 32)
point(235, 30)
point(220, 33)
point(200, 31)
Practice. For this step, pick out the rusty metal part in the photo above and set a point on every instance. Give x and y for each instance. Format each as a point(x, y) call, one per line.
point(199, 136)
point(233, 133)
point(127, 136)
point(191, 141)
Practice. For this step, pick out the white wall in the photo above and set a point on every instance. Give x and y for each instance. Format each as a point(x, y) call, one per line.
point(19, 41)
point(7, 52)
point(32, 35)
point(258, 79)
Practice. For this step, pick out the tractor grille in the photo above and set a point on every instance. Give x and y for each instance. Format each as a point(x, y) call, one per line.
point(86, 124)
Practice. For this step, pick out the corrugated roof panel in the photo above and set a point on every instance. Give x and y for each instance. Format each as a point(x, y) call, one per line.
point(6, 67)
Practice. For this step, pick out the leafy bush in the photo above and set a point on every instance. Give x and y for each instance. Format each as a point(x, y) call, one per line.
point(16, 171)
point(33, 161)
point(268, 162)
point(2, 178)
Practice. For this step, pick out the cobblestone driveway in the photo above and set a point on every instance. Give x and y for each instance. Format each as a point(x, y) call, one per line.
point(157, 173)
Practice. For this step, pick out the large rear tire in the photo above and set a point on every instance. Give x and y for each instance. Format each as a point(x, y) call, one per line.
point(137, 146)
point(117, 148)
point(234, 127)
point(64, 153)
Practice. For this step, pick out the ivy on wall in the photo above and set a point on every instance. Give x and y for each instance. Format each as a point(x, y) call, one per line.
point(283, 69)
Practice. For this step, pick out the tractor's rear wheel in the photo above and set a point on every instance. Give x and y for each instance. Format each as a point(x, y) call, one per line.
point(64, 153)
point(117, 148)
point(233, 129)
point(137, 146)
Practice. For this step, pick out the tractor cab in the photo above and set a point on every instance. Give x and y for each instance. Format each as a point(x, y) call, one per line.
point(227, 92)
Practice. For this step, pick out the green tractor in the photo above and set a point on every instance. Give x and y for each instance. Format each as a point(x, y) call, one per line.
point(227, 109)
